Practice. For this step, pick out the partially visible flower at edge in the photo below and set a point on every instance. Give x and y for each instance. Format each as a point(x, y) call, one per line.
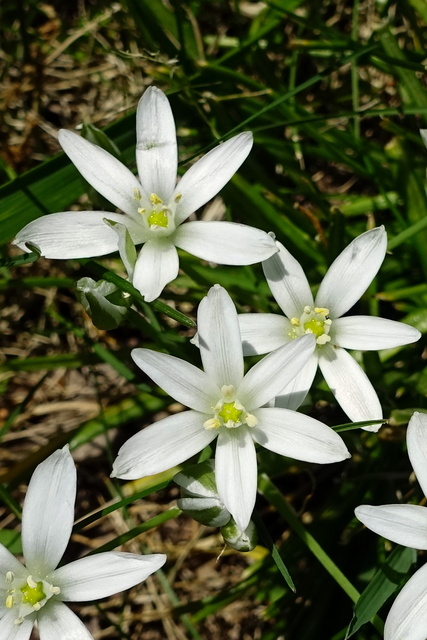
point(227, 404)
point(34, 593)
point(406, 524)
point(344, 283)
point(154, 206)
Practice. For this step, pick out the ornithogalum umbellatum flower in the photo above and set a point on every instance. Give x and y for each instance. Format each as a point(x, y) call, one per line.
point(228, 405)
point(34, 593)
point(154, 207)
point(323, 316)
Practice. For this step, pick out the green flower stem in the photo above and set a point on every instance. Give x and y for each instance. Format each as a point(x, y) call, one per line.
point(101, 273)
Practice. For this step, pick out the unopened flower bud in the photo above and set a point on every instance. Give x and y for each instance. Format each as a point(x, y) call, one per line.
point(240, 540)
point(103, 302)
point(199, 496)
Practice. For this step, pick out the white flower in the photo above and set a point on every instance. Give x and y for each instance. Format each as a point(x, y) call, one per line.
point(227, 404)
point(345, 282)
point(406, 524)
point(154, 207)
point(34, 593)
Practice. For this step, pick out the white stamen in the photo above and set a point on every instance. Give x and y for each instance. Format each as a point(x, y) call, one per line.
point(31, 582)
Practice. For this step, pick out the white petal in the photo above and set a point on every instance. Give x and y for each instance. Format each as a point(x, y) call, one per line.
point(48, 513)
point(219, 338)
point(209, 174)
point(416, 438)
point(407, 619)
point(371, 333)
point(236, 473)
point(294, 394)
point(288, 283)
point(270, 375)
point(224, 242)
point(8, 562)
point(76, 234)
point(56, 621)
point(163, 445)
point(298, 436)
point(180, 379)
point(103, 171)
point(11, 631)
point(103, 574)
point(404, 524)
point(156, 149)
point(352, 272)
point(263, 332)
point(350, 385)
point(156, 266)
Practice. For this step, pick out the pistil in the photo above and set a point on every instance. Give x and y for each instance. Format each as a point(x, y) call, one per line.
point(315, 321)
point(229, 412)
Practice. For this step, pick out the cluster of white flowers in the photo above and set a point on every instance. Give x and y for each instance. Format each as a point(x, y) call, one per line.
point(239, 410)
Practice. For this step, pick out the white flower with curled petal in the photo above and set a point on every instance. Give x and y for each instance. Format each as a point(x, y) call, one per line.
point(345, 282)
point(406, 524)
point(154, 206)
point(227, 404)
point(34, 593)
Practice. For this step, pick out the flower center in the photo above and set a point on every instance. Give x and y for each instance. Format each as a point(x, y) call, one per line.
point(27, 597)
point(33, 595)
point(315, 321)
point(229, 412)
point(159, 218)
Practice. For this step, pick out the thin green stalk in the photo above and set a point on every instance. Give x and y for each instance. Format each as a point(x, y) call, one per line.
point(408, 233)
point(100, 272)
point(10, 502)
point(355, 97)
point(273, 495)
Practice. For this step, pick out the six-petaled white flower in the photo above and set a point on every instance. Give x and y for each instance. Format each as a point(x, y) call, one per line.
point(406, 524)
point(34, 593)
point(154, 206)
point(227, 404)
point(345, 282)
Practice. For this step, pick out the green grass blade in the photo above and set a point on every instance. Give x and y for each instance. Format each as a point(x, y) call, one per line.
point(171, 513)
point(273, 495)
point(382, 585)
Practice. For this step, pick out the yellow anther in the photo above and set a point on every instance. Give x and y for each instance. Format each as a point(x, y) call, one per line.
point(322, 310)
point(136, 194)
point(295, 322)
point(307, 309)
point(10, 576)
point(178, 197)
point(154, 199)
point(251, 420)
point(9, 602)
point(54, 590)
point(141, 211)
point(212, 423)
